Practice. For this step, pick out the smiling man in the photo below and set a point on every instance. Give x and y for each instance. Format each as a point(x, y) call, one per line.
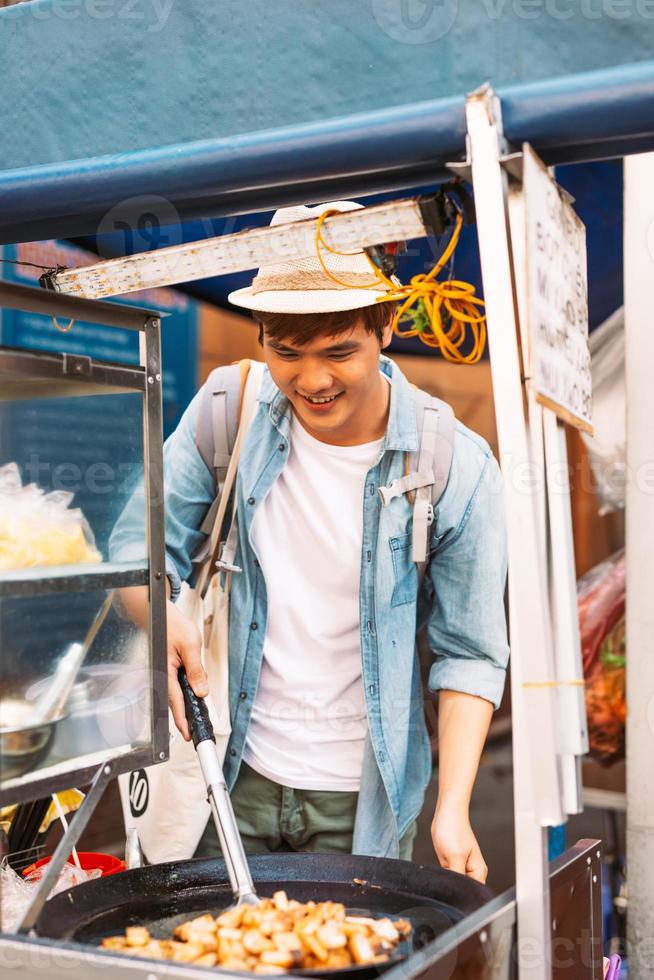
point(329, 749)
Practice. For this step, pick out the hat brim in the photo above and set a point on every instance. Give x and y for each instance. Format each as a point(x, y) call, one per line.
point(305, 301)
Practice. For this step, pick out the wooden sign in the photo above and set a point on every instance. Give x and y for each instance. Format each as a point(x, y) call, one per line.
point(557, 297)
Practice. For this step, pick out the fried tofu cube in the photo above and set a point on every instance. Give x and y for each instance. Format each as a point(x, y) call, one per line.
point(278, 957)
point(187, 952)
point(231, 918)
point(137, 936)
point(361, 949)
point(207, 959)
point(331, 936)
point(315, 947)
point(280, 900)
point(115, 943)
point(385, 929)
point(255, 942)
point(338, 959)
point(289, 941)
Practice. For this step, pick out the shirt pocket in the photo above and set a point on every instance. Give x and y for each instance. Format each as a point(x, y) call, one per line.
point(405, 573)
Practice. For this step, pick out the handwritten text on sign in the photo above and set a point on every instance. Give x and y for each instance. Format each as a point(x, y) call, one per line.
point(557, 294)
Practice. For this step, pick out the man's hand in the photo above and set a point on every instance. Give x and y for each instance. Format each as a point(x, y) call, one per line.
point(184, 649)
point(455, 844)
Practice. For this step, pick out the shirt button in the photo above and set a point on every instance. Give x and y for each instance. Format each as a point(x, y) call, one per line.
point(256, 563)
point(250, 500)
point(232, 752)
point(243, 695)
point(371, 689)
point(254, 626)
point(282, 447)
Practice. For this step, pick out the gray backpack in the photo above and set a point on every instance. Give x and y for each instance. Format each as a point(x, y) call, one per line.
point(427, 474)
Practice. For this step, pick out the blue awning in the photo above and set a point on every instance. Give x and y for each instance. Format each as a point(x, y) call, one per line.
point(589, 116)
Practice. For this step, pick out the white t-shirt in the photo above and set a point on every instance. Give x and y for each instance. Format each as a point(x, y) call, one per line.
point(308, 723)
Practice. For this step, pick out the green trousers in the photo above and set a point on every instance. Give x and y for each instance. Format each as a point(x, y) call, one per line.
point(274, 818)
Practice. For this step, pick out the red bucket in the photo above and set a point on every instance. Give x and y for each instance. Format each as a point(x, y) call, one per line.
point(89, 860)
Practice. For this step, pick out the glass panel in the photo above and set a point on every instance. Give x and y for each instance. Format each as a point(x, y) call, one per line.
point(109, 705)
point(88, 447)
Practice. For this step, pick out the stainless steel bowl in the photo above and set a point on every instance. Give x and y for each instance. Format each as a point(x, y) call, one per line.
point(22, 745)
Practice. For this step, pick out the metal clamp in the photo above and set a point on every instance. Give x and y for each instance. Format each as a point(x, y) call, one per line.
point(404, 484)
point(77, 364)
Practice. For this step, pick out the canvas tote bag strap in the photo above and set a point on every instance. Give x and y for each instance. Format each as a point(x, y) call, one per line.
point(251, 377)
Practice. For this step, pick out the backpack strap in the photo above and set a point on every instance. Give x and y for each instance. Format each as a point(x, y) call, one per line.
point(217, 425)
point(428, 470)
point(435, 458)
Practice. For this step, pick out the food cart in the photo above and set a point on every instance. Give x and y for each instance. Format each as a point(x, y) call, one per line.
point(551, 924)
point(553, 908)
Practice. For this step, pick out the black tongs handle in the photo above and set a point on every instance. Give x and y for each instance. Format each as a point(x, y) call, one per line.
point(197, 713)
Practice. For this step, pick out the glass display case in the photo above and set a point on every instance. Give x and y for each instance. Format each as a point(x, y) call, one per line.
point(77, 436)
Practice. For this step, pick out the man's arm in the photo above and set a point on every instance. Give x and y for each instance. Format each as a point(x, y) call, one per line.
point(466, 631)
point(463, 721)
point(189, 491)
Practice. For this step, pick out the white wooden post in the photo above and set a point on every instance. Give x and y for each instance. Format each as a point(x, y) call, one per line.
point(639, 367)
point(536, 779)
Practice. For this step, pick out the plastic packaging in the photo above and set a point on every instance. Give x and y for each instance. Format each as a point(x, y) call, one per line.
point(607, 448)
point(16, 892)
point(601, 597)
point(38, 528)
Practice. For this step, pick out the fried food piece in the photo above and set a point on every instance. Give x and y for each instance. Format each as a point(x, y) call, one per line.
point(289, 941)
point(337, 959)
point(256, 943)
point(116, 943)
point(278, 935)
point(208, 959)
point(361, 949)
point(331, 936)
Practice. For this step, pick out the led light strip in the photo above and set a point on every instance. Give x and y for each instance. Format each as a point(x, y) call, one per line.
point(350, 231)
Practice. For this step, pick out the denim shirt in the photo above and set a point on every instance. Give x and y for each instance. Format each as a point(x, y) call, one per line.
point(461, 599)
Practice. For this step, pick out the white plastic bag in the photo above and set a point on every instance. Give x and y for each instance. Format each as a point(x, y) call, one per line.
point(607, 449)
point(38, 528)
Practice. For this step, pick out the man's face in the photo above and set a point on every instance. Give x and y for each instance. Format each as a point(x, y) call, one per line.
point(333, 383)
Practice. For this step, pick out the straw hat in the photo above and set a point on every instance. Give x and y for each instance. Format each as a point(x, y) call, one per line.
point(301, 286)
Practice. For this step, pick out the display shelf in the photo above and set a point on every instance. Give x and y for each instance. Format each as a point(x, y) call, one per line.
point(38, 374)
point(123, 725)
point(58, 775)
point(42, 580)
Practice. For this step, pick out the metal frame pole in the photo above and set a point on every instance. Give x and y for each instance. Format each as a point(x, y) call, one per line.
point(639, 358)
point(65, 846)
point(153, 449)
point(536, 778)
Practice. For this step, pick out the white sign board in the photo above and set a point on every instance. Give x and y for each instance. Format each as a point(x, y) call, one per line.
point(557, 297)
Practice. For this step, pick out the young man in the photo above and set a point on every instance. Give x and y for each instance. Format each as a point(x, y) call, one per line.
point(329, 749)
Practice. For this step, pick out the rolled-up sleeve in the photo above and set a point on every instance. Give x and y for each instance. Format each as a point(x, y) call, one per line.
point(466, 578)
point(189, 490)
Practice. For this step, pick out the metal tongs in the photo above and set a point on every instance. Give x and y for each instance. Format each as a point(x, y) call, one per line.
point(201, 729)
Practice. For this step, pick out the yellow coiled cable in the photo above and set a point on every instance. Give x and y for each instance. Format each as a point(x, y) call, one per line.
point(441, 314)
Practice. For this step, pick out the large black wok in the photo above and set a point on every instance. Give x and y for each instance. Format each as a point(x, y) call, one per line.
point(163, 895)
